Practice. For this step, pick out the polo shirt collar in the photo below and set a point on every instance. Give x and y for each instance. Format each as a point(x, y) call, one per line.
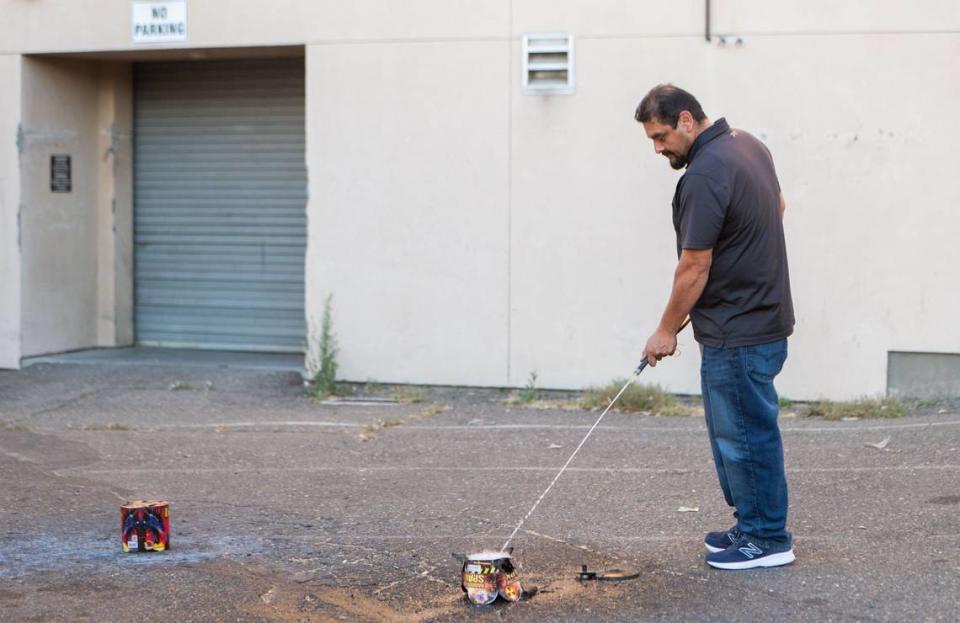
point(719, 127)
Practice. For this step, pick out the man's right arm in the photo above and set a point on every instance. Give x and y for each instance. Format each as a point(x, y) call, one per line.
point(689, 280)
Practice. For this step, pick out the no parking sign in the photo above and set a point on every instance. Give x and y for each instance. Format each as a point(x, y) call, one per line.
point(159, 22)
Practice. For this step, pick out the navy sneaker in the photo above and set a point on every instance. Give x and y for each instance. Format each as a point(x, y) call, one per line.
point(719, 541)
point(745, 554)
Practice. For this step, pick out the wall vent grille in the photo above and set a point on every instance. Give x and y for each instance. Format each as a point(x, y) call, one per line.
point(548, 67)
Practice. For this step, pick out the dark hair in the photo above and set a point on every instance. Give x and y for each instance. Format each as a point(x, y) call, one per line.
point(665, 102)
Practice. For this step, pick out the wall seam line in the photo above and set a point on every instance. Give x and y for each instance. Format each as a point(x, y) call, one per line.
point(510, 192)
point(199, 46)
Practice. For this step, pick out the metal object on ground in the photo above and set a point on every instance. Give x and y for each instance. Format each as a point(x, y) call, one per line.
point(487, 575)
point(145, 526)
point(606, 575)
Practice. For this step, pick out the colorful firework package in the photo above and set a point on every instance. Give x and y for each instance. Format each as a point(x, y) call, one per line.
point(490, 574)
point(145, 526)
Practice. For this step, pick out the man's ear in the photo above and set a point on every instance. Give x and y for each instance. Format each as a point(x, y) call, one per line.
point(686, 121)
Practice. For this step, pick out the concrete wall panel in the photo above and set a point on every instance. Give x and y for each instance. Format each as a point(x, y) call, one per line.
point(59, 230)
point(831, 16)
point(115, 205)
point(863, 173)
point(610, 17)
point(864, 160)
point(930, 376)
point(64, 25)
point(417, 19)
point(593, 250)
point(10, 112)
point(67, 26)
point(407, 155)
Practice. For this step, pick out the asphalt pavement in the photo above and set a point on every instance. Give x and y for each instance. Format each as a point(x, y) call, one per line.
point(287, 509)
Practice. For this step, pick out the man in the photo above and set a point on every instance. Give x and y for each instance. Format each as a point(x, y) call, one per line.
point(732, 279)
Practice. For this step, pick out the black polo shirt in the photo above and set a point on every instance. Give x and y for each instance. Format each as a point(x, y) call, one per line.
point(728, 200)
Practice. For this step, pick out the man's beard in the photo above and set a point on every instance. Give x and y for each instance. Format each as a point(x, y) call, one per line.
point(676, 160)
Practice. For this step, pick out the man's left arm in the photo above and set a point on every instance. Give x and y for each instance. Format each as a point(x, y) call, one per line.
point(689, 279)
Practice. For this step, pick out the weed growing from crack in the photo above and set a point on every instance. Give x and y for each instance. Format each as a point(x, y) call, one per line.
point(431, 411)
point(325, 381)
point(528, 394)
point(637, 398)
point(111, 427)
point(14, 427)
point(862, 408)
point(409, 395)
point(372, 388)
point(370, 430)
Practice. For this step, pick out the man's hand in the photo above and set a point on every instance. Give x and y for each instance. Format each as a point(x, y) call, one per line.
point(689, 279)
point(662, 343)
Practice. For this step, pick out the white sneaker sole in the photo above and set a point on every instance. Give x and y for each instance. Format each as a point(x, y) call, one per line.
point(773, 560)
point(711, 548)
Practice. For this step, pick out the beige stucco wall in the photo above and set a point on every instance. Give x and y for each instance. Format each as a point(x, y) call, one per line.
point(863, 172)
point(592, 236)
point(408, 164)
point(829, 16)
point(69, 26)
point(591, 245)
point(59, 230)
point(76, 247)
point(471, 234)
point(866, 160)
point(115, 204)
point(9, 212)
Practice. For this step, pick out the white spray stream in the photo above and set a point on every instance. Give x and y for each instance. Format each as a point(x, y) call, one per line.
point(636, 373)
point(562, 469)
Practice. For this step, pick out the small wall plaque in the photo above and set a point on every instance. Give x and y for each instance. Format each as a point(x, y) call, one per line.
point(61, 180)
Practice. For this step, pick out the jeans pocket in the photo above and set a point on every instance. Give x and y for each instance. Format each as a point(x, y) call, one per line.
point(764, 361)
point(720, 365)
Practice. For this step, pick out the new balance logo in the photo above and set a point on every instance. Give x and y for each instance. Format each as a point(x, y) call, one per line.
point(751, 550)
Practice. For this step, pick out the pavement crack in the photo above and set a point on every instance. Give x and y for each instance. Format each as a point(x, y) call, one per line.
point(430, 411)
point(16, 456)
point(66, 403)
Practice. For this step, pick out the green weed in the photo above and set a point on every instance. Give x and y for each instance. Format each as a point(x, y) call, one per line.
point(15, 427)
point(862, 408)
point(409, 395)
point(111, 427)
point(526, 396)
point(180, 386)
point(647, 398)
point(325, 381)
point(529, 392)
point(432, 410)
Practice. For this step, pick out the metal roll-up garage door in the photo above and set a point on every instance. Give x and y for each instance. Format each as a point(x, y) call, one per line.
point(220, 205)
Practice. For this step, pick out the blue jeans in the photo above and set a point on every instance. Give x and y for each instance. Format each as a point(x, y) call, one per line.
point(741, 408)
